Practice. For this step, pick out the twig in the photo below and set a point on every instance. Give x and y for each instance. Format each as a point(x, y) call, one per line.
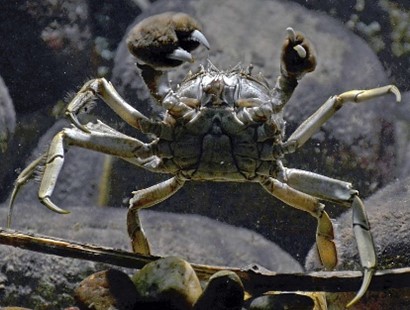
point(256, 280)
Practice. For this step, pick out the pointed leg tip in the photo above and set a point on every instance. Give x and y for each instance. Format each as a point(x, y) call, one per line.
point(396, 92)
point(50, 205)
point(367, 277)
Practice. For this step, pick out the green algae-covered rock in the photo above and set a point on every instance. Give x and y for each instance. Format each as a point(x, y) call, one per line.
point(169, 281)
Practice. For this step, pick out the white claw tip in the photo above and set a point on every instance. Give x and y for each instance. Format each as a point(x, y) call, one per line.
point(181, 54)
point(300, 50)
point(198, 36)
point(291, 34)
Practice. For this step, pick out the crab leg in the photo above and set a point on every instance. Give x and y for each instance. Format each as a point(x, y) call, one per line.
point(22, 179)
point(100, 138)
point(297, 59)
point(342, 193)
point(104, 90)
point(145, 198)
point(308, 203)
point(310, 126)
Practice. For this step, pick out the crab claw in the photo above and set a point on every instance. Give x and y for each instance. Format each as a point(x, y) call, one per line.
point(298, 56)
point(165, 41)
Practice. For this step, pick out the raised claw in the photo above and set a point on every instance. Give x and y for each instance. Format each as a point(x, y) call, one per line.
point(298, 56)
point(164, 41)
point(292, 38)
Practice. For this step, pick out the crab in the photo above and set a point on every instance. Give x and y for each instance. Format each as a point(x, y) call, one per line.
point(219, 126)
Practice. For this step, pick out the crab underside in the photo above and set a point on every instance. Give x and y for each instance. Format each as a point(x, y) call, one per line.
point(224, 126)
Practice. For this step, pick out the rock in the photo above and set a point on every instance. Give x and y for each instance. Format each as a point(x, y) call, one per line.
point(389, 216)
point(283, 301)
point(7, 117)
point(59, 50)
point(35, 279)
point(7, 128)
point(170, 282)
point(38, 281)
point(224, 291)
point(402, 137)
point(106, 289)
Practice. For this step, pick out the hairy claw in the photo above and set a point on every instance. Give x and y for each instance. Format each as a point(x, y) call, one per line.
point(164, 41)
point(298, 56)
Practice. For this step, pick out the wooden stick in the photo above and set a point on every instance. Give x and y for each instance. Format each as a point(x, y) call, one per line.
point(256, 280)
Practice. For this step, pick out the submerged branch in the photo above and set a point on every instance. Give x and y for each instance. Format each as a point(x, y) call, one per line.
point(256, 280)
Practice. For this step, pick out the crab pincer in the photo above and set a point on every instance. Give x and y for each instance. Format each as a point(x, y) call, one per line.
point(298, 56)
point(166, 40)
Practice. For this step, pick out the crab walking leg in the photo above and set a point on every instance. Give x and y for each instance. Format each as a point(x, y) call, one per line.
point(105, 140)
point(341, 192)
point(310, 126)
point(365, 245)
point(22, 179)
point(145, 198)
point(308, 203)
point(104, 89)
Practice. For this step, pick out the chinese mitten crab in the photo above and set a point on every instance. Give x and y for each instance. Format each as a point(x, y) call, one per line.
point(220, 126)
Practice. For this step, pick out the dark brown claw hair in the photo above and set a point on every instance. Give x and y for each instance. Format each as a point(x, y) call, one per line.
point(293, 64)
point(165, 41)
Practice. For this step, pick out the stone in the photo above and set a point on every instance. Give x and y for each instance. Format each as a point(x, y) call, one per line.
point(224, 291)
point(168, 281)
point(7, 117)
point(283, 301)
point(106, 289)
point(7, 129)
